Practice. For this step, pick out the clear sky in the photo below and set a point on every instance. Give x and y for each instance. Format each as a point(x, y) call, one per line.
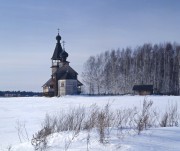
point(28, 29)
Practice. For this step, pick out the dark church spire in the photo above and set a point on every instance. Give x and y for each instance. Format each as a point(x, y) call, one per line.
point(59, 53)
point(58, 49)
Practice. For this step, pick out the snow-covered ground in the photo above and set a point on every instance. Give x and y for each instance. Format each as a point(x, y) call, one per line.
point(30, 112)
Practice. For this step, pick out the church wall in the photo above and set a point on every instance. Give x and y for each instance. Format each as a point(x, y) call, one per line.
point(54, 69)
point(67, 87)
point(45, 89)
point(48, 89)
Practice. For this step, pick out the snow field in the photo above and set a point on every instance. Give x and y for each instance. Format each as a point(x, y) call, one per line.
point(31, 112)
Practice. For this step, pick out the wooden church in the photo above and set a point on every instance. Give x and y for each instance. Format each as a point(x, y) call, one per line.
point(64, 79)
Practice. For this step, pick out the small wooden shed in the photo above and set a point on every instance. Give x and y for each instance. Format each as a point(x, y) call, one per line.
point(143, 89)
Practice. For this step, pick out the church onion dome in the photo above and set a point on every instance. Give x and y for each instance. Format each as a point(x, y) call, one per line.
point(64, 54)
point(58, 38)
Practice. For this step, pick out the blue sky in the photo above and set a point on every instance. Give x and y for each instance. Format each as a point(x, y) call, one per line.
point(28, 29)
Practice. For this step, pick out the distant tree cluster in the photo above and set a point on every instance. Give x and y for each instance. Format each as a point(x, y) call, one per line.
point(19, 94)
point(116, 71)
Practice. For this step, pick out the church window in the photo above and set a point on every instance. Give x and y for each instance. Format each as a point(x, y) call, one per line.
point(62, 84)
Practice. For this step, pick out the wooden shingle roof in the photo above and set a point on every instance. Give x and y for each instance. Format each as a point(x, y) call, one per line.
point(143, 88)
point(66, 72)
point(48, 83)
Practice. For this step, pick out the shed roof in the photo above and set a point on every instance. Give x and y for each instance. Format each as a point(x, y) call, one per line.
point(143, 87)
point(79, 83)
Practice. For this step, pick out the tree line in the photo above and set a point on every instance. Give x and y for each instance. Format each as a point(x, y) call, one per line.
point(117, 71)
point(19, 94)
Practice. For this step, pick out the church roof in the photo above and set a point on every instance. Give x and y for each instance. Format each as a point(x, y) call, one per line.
point(48, 83)
point(66, 75)
point(66, 72)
